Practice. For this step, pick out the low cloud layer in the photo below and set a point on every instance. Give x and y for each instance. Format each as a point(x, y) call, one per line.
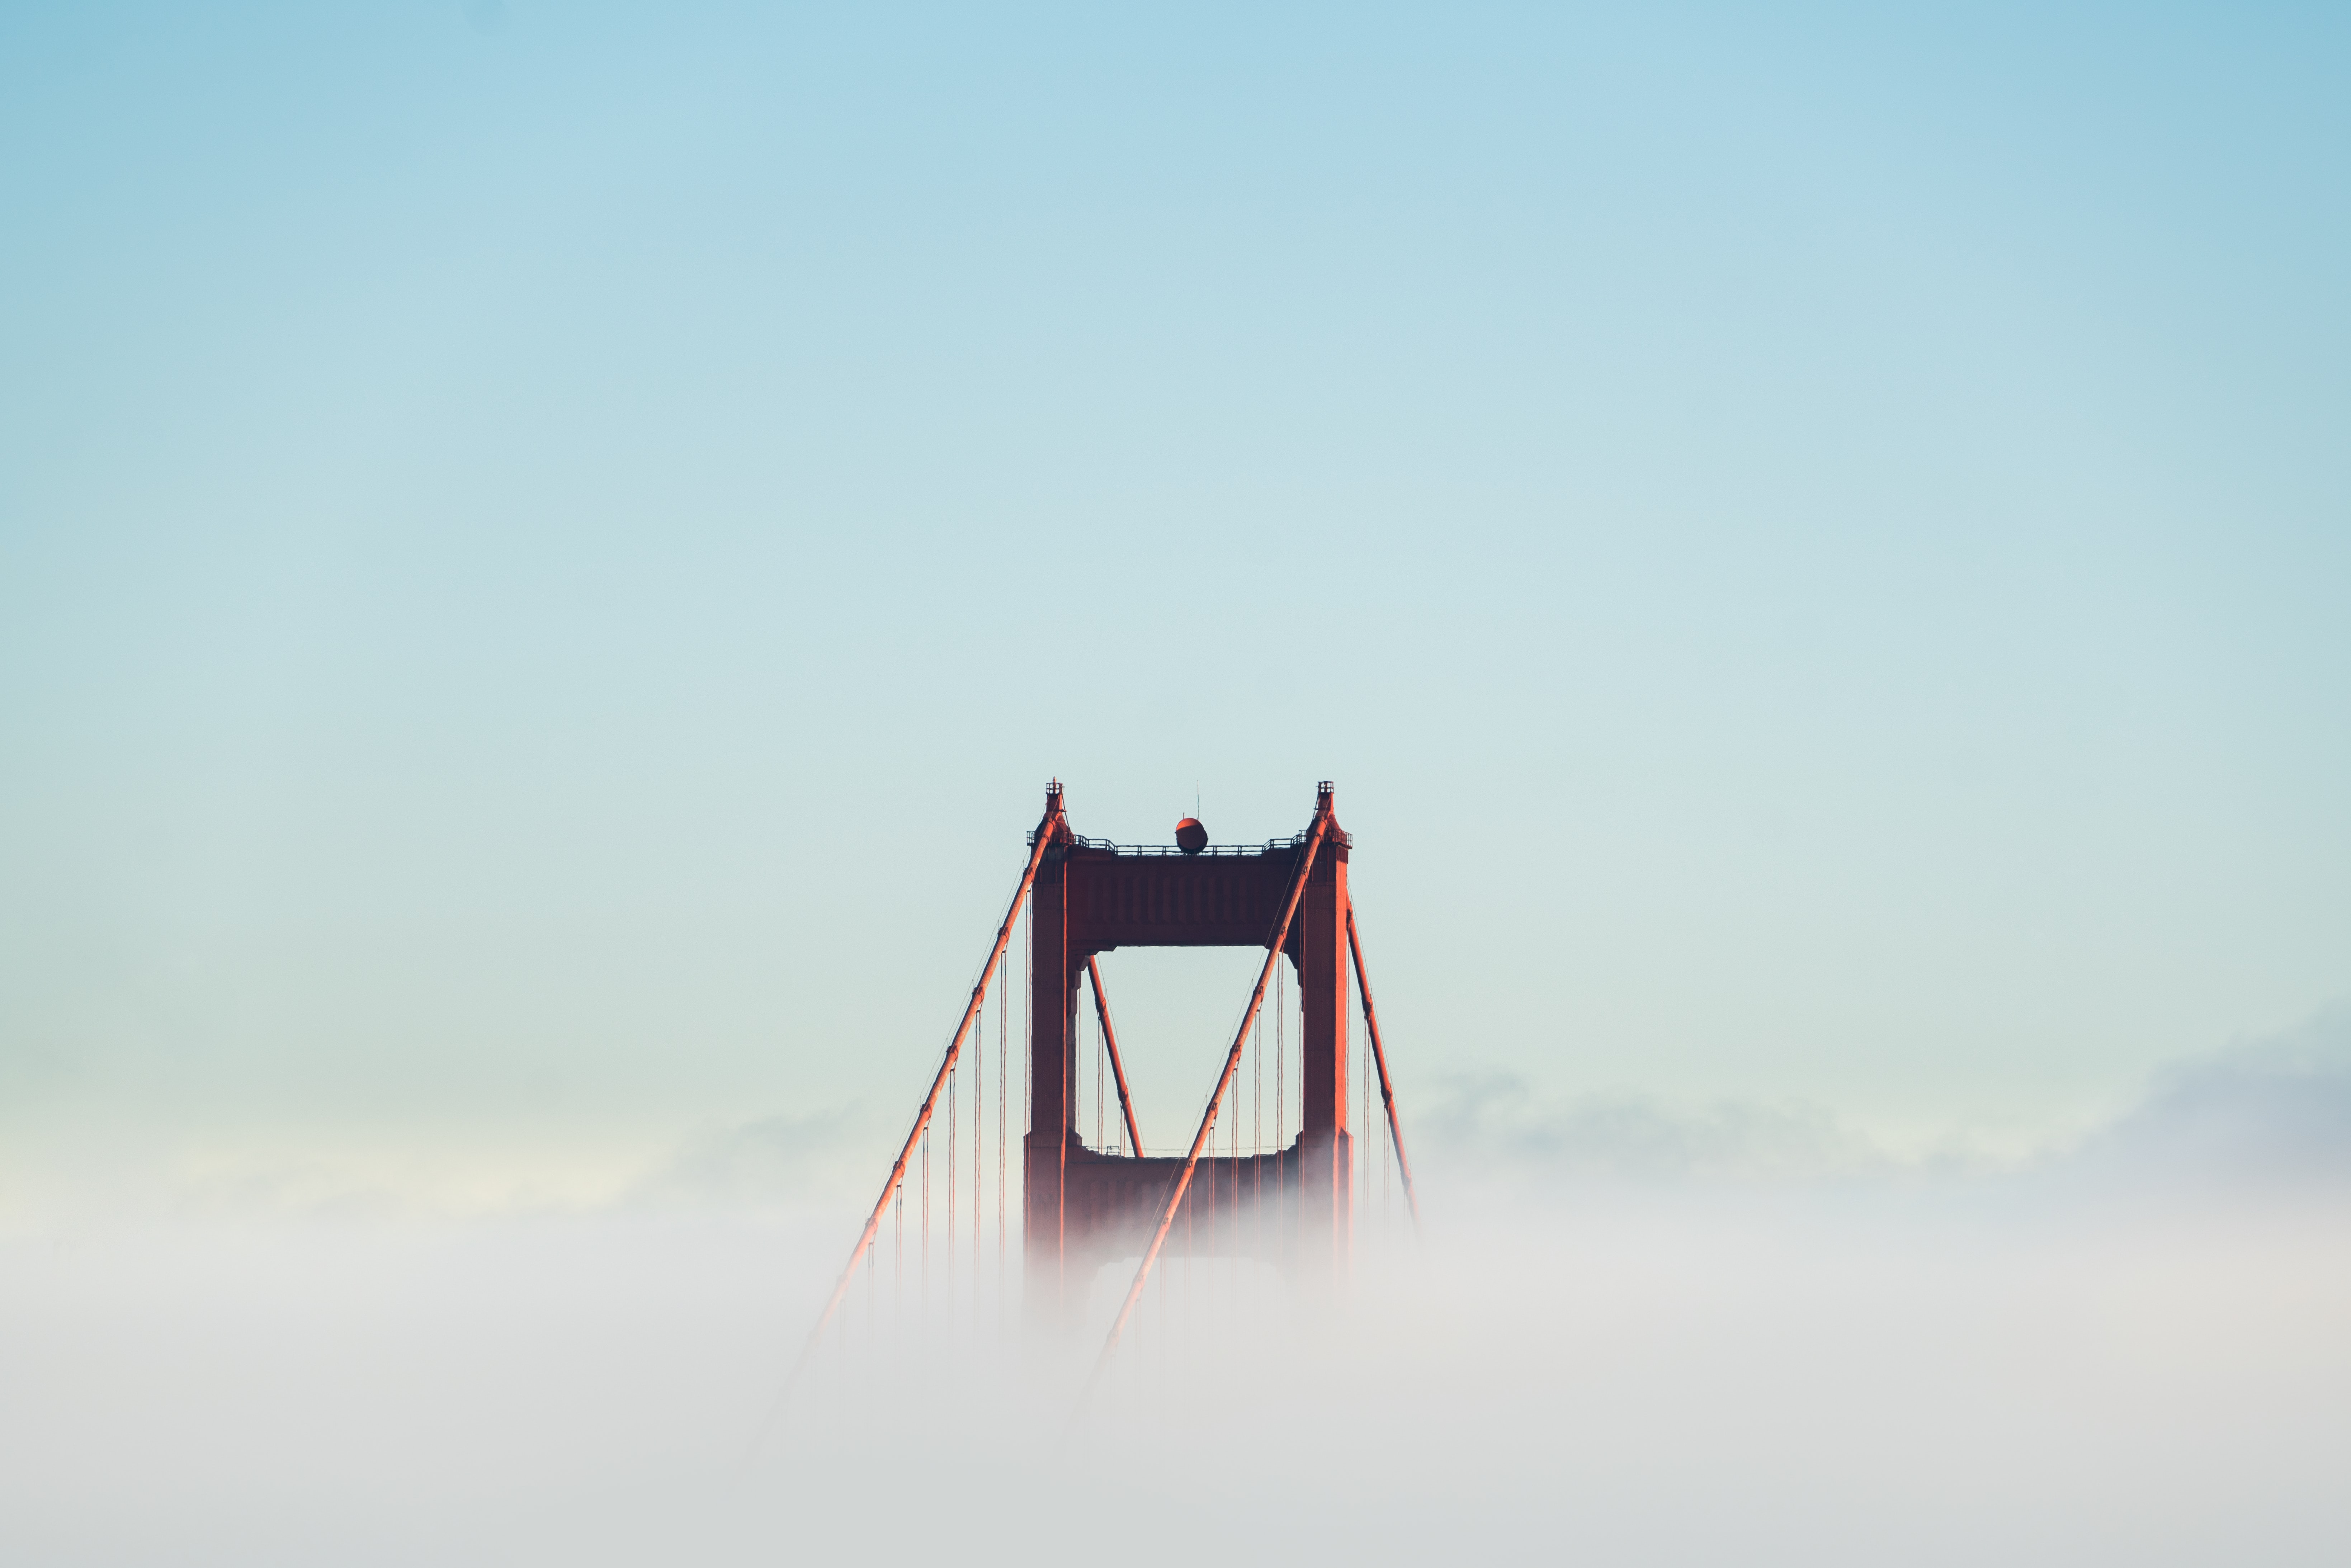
point(1500, 1127)
point(2273, 1112)
point(1628, 1336)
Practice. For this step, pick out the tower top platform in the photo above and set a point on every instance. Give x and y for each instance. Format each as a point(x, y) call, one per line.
point(1064, 839)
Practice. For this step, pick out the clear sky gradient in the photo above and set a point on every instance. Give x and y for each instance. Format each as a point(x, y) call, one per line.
point(548, 553)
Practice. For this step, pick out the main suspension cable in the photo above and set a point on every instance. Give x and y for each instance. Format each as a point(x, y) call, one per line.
point(1380, 1060)
point(1043, 838)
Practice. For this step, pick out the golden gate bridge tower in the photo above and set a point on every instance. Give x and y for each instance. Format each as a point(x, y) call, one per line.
point(1083, 1205)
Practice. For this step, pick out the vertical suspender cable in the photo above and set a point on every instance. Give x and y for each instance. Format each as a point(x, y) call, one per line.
point(1028, 1070)
point(1363, 1060)
point(1005, 1057)
point(978, 1146)
point(1257, 1135)
point(1257, 1090)
point(1233, 1142)
point(1212, 1193)
point(951, 1195)
point(1028, 1054)
point(1281, 1109)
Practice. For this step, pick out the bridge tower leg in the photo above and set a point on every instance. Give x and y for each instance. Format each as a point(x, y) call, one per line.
point(1326, 1150)
point(1052, 1073)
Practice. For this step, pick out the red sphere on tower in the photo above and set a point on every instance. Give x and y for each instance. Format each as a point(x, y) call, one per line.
point(1190, 837)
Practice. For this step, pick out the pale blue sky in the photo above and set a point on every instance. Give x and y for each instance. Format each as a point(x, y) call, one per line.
point(545, 555)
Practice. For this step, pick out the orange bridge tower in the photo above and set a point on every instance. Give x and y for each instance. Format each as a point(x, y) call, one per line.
point(1084, 1207)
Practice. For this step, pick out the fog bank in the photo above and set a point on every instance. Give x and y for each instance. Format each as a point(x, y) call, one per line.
point(1649, 1350)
